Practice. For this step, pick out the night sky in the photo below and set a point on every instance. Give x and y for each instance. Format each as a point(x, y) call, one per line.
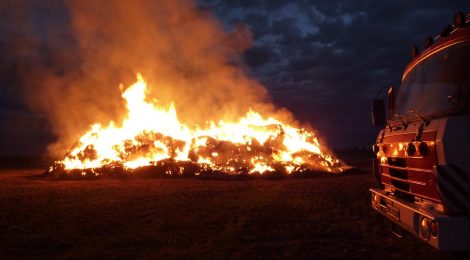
point(322, 60)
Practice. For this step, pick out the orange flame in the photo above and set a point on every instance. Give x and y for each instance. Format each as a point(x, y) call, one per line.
point(152, 133)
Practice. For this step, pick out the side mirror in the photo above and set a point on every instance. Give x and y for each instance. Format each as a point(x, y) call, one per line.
point(378, 112)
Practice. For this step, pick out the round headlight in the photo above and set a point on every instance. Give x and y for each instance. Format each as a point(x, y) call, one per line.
point(425, 227)
point(374, 198)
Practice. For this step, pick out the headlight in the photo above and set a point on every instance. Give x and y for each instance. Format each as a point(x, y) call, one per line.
point(374, 198)
point(425, 227)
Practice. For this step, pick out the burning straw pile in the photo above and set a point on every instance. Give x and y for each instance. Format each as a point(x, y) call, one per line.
point(152, 140)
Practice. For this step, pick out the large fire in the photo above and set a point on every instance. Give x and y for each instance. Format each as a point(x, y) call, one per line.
point(152, 135)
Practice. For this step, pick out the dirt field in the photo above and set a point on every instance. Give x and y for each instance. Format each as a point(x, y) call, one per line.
point(321, 217)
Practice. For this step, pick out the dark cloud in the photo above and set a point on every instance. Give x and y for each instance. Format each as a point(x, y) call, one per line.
point(259, 24)
point(258, 56)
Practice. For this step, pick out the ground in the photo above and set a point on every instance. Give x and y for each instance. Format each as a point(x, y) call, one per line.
point(323, 217)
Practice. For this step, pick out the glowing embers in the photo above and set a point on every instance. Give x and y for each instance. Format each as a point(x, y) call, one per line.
point(152, 136)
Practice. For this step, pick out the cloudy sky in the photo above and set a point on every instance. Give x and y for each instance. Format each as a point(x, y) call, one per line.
point(322, 60)
point(326, 60)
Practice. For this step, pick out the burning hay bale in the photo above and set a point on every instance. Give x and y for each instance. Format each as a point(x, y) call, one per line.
point(171, 168)
point(151, 140)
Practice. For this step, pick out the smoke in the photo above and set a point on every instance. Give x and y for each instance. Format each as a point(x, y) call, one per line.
point(74, 54)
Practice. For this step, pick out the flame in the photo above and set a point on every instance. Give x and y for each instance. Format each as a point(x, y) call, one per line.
point(150, 134)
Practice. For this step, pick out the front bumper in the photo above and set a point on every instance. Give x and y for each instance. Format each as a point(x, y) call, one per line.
point(453, 232)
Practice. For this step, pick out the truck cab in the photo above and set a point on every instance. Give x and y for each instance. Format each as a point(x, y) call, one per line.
point(422, 153)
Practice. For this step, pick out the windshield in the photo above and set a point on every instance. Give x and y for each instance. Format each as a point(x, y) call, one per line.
point(437, 86)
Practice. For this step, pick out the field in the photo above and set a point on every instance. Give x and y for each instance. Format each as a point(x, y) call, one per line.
point(319, 217)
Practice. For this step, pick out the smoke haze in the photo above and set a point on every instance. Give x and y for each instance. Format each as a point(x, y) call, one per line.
point(74, 55)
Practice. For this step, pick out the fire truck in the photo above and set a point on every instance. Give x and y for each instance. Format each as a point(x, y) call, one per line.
point(422, 153)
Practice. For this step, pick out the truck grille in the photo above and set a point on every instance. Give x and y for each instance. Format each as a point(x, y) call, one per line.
point(409, 177)
point(399, 162)
point(400, 178)
point(401, 174)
